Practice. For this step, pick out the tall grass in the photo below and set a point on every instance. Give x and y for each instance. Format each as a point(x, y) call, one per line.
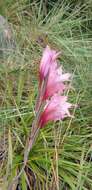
point(61, 157)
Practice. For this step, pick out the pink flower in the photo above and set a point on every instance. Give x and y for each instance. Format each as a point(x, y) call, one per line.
point(55, 81)
point(48, 58)
point(56, 108)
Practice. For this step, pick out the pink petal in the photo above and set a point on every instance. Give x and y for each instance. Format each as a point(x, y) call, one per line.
point(48, 58)
point(54, 88)
point(57, 108)
point(55, 79)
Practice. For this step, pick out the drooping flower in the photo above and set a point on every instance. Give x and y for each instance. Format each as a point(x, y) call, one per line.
point(49, 57)
point(56, 81)
point(57, 108)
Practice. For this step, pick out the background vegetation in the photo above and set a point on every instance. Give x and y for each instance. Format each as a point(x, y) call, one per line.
point(61, 157)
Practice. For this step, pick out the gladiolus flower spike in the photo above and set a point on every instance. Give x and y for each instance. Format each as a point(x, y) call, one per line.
point(56, 105)
point(51, 104)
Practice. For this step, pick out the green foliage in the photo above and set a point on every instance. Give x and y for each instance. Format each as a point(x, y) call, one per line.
point(61, 157)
